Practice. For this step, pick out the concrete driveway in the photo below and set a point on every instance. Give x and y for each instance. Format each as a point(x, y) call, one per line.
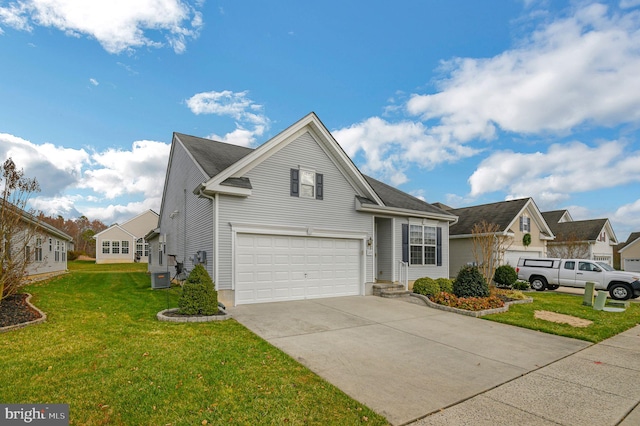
point(402, 360)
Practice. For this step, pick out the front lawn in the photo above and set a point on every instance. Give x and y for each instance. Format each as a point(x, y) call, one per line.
point(605, 324)
point(103, 352)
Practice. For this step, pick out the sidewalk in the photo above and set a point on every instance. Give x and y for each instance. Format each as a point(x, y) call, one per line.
point(596, 385)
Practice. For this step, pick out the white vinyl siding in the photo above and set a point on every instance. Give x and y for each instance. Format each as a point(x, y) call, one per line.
point(271, 201)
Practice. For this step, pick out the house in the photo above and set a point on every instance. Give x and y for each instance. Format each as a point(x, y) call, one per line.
point(125, 243)
point(630, 253)
point(42, 247)
point(291, 219)
point(519, 222)
point(592, 239)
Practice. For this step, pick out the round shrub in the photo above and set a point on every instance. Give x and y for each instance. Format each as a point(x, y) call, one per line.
point(446, 285)
point(426, 286)
point(198, 296)
point(505, 275)
point(470, 283)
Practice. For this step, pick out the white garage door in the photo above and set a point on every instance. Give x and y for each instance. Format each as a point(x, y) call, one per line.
point(511, 257)
point(272, 268)
point(632, 265)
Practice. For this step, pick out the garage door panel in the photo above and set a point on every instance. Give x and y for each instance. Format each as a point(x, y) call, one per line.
point(274, 268)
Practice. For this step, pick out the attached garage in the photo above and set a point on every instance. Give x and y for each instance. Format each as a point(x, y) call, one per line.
point(270, 268)
point(632, 265)
point(512, 257)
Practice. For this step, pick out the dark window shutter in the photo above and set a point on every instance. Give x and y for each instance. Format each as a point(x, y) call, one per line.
point(439, 246)
point(319, 186)
point(295, 182)
point(405, 242)
point(521, 223)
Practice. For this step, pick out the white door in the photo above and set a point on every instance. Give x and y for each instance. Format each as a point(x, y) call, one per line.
point(272, 268)
point(632, 265)
point(511, 256)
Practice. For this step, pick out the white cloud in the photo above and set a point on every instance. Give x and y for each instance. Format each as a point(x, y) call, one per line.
point(390, 148)
point(250, 118)
point(138, 171)
point(94, 81)
point(576, 70)
point(118, 213)
point(564, 169)
point(54, 167)
point(118, 25)
point(626, 4)
point(626, 219)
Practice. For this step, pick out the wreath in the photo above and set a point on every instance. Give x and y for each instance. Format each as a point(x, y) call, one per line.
point(526, 239)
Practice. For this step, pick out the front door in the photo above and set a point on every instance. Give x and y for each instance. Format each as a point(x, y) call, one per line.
point(383, 251)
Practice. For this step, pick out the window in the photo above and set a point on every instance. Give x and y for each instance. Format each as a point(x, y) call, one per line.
point(142, 248)
point(422, 245)
point(307, 184)
point(525, 224)
point(27, 253)
point(106, 247)
point(50, 245)
point(570, 265)
point(38, 252)
point(57, 253)
point(125, 247)
point(115, 247)
point(64, 252)
point(159, 257)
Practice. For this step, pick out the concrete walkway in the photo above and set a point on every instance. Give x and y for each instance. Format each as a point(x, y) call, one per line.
point(408, 361)
point(599, 385)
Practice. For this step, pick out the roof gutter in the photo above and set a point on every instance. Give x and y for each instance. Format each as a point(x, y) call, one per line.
point(404, 212)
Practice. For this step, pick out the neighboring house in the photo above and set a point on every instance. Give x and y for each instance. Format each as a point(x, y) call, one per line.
point(125, 243)
point(46, 249)
point(513, 218)
point(291, 219)
point(592, 239)
point(630, 253)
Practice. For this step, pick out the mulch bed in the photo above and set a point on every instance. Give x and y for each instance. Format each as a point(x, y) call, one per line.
point(15, 310)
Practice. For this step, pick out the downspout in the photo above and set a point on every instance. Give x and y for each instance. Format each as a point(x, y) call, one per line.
point(214, 200)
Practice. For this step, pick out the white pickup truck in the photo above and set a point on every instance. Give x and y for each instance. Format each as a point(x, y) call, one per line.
point(543, 273)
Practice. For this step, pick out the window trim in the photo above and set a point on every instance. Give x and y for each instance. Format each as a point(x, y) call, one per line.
point(430, 246)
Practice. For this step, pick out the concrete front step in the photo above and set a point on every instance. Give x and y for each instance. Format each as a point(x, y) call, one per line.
point(380, 287)
point(392, 294)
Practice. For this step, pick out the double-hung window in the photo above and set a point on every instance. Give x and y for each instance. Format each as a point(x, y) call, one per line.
point(525, 224)
point(106, 247)
point(305, 183)
point(38, 253)
point(115, 247)
point(422, 245)
point(125, 247)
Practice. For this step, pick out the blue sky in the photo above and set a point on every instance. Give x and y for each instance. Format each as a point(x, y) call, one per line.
point(461, 102)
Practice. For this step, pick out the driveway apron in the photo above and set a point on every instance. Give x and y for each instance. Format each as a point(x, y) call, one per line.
point(403, 360)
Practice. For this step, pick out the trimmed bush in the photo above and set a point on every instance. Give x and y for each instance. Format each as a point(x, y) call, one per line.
point(73, 255)
point(426, 286)
point(467, 303)
point(198, 296)
point(520, 285)
point(470, 283)
point(505, 276)
point(446, 285)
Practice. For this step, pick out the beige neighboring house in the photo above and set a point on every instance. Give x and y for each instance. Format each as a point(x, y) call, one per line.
point(514, 218)
point(630, 253)
point(125, 243)
point(46, 249)
point(591, 239)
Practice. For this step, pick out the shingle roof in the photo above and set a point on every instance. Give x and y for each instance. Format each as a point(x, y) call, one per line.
point(393, 197)
point(214, 157)
point(578, 230)
point(553, 217)
point(502, 214)
point(632, 237)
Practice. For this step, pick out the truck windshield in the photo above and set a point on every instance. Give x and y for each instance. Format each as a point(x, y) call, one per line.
point(605, 266)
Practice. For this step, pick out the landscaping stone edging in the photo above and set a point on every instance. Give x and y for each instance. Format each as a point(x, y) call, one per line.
point(43, 317)
point(196, 318)
point(475, 314)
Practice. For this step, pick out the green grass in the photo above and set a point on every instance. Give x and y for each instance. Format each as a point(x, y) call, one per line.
point(605, 324)
point(103, 352)
point(91, 266)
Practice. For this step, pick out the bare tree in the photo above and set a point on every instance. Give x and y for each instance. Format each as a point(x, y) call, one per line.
point(18, 229)
point(489, 247)
point(568, 247)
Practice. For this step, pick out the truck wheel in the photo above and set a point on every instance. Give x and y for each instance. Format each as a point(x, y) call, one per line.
point(538, 283)
point(553, 287)
point(620, 292)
